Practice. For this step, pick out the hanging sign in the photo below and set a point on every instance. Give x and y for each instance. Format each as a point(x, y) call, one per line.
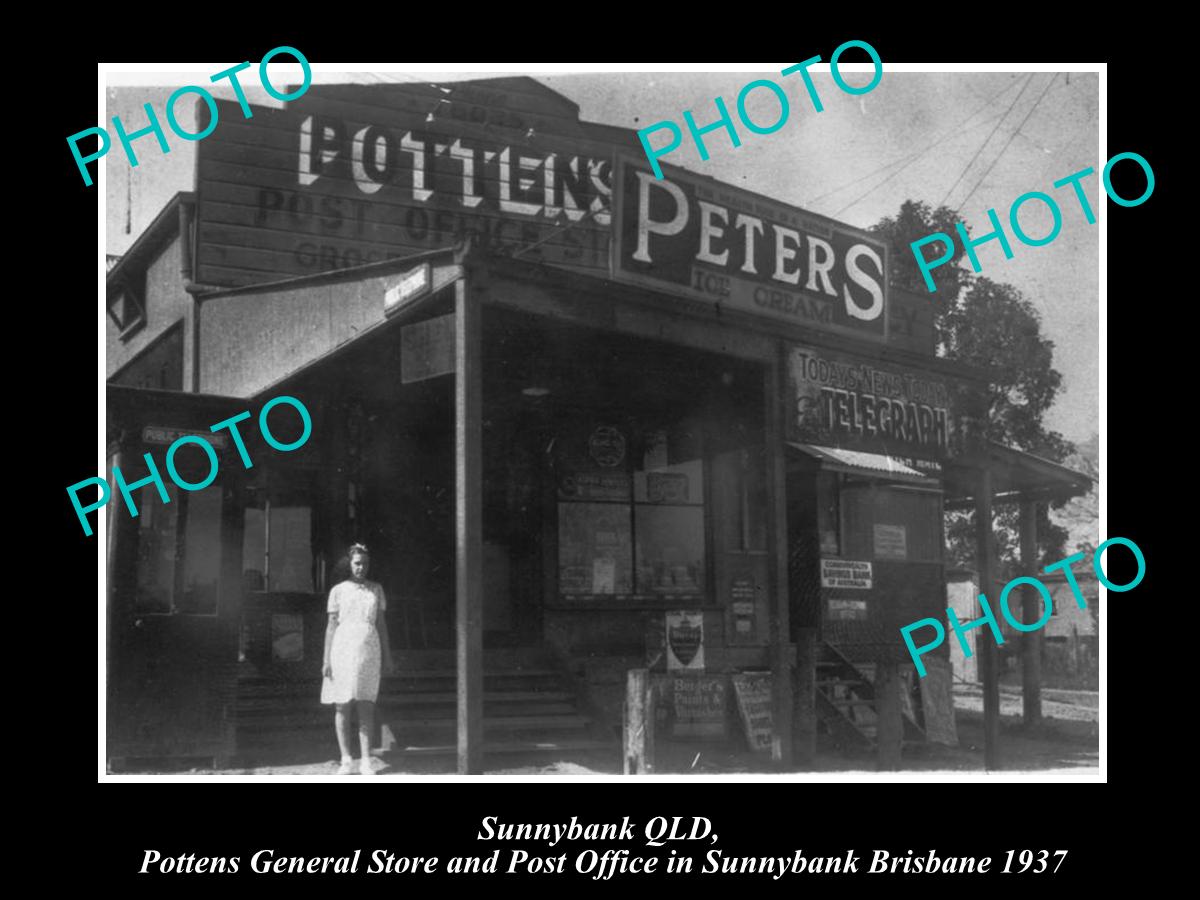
point(427, 349)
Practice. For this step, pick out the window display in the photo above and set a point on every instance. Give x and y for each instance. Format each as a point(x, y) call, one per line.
point(631, 512)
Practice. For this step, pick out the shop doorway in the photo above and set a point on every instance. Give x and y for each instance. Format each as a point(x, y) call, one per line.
point(623, 477)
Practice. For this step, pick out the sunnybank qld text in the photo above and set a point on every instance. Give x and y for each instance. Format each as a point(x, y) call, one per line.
point(680, 844)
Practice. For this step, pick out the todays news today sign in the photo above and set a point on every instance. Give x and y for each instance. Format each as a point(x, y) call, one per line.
point(838, 400)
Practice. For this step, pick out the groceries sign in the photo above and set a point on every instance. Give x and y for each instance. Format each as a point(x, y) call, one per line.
point(354, 174)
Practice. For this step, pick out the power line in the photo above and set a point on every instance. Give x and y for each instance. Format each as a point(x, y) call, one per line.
point(966, 168)
point(912, 156)
point(910, 160)
point(1011, 137)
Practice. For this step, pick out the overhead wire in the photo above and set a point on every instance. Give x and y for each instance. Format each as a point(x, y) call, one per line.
point(1011, 138)
point(909, 160)
point(911, 157)
point(967, 167)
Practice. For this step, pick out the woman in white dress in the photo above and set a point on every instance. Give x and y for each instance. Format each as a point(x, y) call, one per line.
point(356, 646)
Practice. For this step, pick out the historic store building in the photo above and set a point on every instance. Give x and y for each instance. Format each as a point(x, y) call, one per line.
point(586, 420)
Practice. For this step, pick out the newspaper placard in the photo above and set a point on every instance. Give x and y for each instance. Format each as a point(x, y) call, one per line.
point(753, 694)
point(891, 541)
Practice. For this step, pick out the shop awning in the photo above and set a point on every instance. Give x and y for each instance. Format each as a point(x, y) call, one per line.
point(1016, 475)
point(870, 465)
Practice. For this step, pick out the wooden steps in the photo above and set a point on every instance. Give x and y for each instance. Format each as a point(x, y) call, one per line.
point(846, 706)
point(529, 706)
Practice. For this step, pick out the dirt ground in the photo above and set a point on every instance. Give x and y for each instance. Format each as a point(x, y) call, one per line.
point(1068, 738)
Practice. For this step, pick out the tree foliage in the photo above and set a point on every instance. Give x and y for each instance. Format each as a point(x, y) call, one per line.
point(915, 221)
point(990, 324)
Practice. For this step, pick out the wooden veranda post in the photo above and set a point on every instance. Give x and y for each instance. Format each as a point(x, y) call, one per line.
point(890, 728)
point(777, 577)
point(468, 508)
point(985, 641)
point(116, 541)
point(1031, 641)
point(639, 723)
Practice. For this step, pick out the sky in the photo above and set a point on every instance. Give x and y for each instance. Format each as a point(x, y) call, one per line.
point(971, 140)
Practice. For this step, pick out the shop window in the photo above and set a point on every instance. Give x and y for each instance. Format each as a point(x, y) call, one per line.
point(670, 550)
point(277, 546)
point(668, 495)
point(126, 308)
point(594, 548)
point(631, 513)
point(179, 552)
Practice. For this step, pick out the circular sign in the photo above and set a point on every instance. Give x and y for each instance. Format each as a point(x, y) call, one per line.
point(607, 446)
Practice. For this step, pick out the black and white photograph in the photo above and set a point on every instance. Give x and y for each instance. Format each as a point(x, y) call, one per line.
point(604, 423)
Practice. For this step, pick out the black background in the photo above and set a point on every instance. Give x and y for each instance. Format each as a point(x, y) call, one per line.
point(99, 832)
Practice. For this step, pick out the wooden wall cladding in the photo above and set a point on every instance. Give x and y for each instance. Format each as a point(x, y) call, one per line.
point(356, 174)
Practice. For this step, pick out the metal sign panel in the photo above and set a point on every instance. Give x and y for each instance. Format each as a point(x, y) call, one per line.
point(410, 287)
point(738, 250)
point(838, 400)
point(427, 349)
point(163, 434)
point(846, 573)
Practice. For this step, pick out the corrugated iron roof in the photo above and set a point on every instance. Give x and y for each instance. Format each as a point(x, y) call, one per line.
point(865, 462)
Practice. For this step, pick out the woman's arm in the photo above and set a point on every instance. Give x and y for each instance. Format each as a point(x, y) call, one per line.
point(385, 645)
point(327, 666)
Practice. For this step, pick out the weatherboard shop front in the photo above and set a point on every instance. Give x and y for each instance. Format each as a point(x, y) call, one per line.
point(587, 421)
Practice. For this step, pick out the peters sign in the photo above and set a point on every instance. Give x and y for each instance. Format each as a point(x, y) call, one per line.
point(693, 236)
